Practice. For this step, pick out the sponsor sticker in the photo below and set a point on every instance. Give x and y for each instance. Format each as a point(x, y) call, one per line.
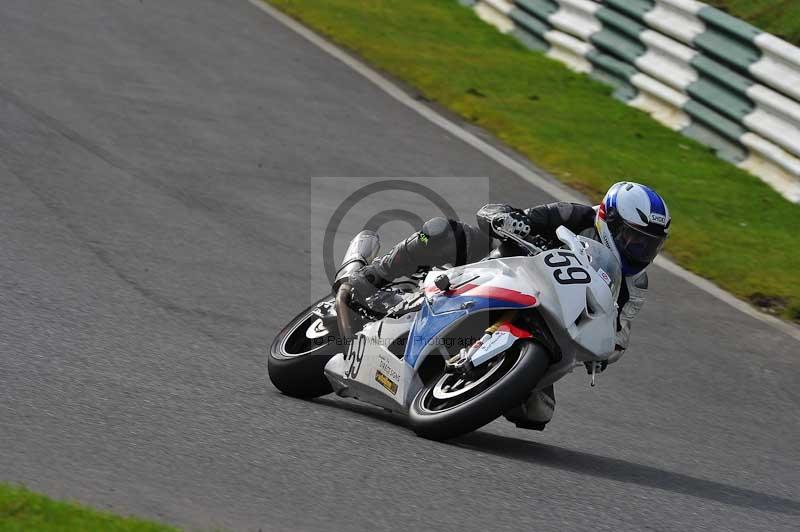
point(386, 382)
point(658, 218)
point(498, 337)
point(604, 276)
point(385, 367)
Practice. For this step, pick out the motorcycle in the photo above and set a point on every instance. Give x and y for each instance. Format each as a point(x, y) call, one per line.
point(454, 349)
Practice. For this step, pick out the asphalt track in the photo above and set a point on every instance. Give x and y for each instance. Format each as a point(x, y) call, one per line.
point(154, 221)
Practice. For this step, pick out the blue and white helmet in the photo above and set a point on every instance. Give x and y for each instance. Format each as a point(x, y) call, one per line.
point(633, 222)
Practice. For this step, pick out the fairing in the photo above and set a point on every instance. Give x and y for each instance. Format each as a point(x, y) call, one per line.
point(476, 288)
point(572, 289)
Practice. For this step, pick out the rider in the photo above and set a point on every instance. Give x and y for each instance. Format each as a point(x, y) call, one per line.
point(632, 221)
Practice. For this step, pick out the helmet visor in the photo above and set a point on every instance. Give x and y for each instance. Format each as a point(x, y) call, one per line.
point(637, 245)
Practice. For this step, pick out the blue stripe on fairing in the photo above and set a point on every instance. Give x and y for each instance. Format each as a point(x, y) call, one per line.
point(427, 326)
point(447, 310)
point(656, 203)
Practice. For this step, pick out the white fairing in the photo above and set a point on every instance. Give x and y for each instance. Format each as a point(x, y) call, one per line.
point(370, 371)
point(581, 314)
point(573, 288)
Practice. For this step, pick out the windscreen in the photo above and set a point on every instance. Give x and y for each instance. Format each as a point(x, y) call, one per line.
point(605, 263)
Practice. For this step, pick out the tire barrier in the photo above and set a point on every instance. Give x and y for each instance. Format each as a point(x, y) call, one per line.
point(692, 67)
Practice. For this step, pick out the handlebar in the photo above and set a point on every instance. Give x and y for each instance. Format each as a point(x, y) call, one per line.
point(532, 249)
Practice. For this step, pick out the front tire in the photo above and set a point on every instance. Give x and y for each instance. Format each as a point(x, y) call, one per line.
point(298, 355)
point(452, 405)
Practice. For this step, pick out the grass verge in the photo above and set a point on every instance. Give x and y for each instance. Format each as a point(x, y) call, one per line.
point(24, 511)
point(779, 17)
point(728, 226)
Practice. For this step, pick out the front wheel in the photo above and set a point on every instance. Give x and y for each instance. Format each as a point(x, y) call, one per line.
point(299, 353)
point(455, 404)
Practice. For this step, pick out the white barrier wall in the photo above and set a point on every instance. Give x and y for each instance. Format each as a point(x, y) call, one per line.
point(694, 68)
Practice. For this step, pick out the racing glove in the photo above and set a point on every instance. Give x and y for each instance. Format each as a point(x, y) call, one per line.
point(515, 222)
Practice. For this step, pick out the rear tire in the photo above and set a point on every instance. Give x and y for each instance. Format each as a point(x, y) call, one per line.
point(298, 355)
point(438, 413)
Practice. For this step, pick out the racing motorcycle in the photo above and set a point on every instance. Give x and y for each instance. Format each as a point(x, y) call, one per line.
point(454, 349)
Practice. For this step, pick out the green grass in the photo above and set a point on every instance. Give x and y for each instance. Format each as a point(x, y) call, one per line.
point(728, 226)
point(780, 17)
point(25, 511)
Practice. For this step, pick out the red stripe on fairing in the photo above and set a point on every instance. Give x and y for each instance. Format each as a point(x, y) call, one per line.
point(493, 292)
point(516, 331)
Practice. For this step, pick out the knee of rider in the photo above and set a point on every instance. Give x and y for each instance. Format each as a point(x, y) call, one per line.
point(441, 232)
point(439, 241)
point(436, 230)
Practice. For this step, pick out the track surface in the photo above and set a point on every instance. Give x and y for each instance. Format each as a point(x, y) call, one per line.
point(154, 159)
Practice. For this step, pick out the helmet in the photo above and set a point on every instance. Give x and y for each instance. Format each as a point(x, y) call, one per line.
point(633, 222)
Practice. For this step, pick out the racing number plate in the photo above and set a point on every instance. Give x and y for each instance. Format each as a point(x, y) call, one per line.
point(354, 356)
point(567, 269)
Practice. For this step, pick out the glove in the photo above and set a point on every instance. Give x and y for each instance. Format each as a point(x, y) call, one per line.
point(515, 222)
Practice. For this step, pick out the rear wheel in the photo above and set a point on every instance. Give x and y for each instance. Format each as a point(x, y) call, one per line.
point(300, 351)
point(454, 404)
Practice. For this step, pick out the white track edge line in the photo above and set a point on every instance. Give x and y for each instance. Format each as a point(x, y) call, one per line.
point(557, 191)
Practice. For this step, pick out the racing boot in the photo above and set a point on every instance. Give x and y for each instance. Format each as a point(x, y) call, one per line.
point(366, 282)
point(536, 411)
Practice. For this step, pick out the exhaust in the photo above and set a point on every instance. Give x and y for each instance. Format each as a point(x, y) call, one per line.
point(362, 250)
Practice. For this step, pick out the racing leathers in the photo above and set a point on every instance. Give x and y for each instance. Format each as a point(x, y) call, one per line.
point(441, 241)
